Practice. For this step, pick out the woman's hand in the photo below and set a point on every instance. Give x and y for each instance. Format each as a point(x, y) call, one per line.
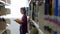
point(18, 21)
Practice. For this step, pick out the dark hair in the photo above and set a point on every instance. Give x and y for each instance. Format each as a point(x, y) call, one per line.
point(23, 8)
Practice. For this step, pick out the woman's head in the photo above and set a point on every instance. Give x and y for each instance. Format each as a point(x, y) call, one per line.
point(23, 11)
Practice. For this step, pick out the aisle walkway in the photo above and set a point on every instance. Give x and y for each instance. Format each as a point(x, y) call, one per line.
point(14, 27)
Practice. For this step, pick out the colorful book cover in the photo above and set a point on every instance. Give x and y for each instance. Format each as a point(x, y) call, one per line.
point(46, 7)
point(59, 8)
point(53, 6)
point(56, 8)
point(50, 7)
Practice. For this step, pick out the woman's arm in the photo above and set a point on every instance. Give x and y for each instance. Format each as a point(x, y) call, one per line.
point(19, 21)
point(24, 20)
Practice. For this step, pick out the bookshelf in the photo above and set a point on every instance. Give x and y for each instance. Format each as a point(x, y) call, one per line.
point(47, 16)
point(35, 10)
point(3, 9)
point(4, 23)
point(6, 2)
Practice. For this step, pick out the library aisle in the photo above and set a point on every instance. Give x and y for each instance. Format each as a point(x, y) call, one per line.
point(43, 16)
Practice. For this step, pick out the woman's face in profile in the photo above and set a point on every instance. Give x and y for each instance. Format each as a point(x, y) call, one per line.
point(22, 11)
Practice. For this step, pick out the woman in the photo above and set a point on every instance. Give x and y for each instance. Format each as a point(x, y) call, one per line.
point(23, 22)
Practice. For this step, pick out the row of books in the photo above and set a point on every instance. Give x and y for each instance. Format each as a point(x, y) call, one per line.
point(51, 7)
point(3, 10)
point(2, 24)
point(52, 10)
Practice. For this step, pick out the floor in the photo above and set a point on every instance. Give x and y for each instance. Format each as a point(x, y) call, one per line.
point(14, 27)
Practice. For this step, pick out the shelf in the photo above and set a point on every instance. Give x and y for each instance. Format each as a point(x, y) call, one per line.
point(2, 31)
point(53, 19)
point(37, 26)
point(5, 3)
